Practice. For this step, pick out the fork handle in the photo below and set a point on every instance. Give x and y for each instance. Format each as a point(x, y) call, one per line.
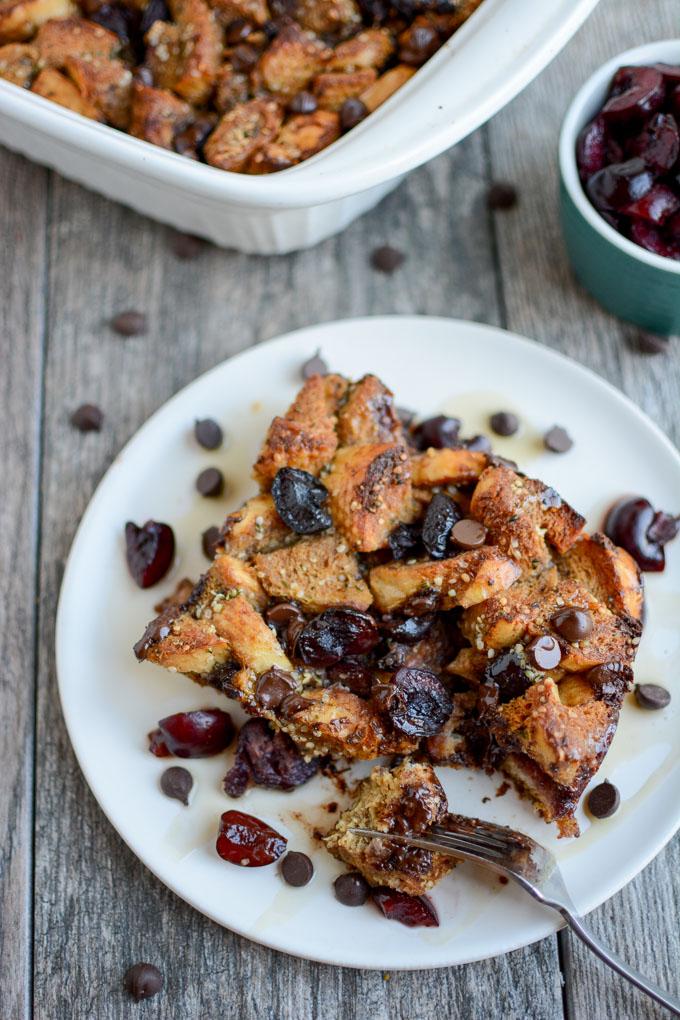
point(671, 1002)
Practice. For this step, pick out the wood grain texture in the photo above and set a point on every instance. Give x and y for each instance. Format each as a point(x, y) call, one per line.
point(544, 301)
point(22, 311)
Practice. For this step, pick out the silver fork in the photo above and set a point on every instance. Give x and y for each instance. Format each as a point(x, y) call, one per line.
point(519, 857)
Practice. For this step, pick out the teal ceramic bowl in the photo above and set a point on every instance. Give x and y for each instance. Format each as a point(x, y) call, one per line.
point(627, 280)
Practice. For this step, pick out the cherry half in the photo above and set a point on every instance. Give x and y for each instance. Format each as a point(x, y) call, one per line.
point(149, 551)
point(200, 734)
point(642, 531)
point(413, 911)
point(248, 841)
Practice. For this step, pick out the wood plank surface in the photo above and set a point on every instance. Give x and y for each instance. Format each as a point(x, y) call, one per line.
point(544, 301)
point(22, 314)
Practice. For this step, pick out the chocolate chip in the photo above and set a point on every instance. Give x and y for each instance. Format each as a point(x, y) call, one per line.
point(504, 423)
point(351, 889)
point(186, 246)
point(303, 102)
point(544, 652)
point(652, 343)
point(572, 624)
point(177, 782)
point(296, 869)
point(352, 112)
point(292, 704)
point(387, 259)
point(501, 195)
point(143, 981)
point(479, 443)
point(469, 534)
point(208, 433)
point(558, 440)
point(273, 686)
point(87, 418)
point(237, 31)
point(210, 539)
point(210, 482)
point(130, 323)
point(652, 696)
point(314, 366)
point(243, 58)
point(604, 800)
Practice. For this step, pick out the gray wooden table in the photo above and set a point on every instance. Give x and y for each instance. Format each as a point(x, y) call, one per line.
point(76, 907)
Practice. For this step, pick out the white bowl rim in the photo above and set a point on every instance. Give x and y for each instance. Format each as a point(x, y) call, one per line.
point(577, 115)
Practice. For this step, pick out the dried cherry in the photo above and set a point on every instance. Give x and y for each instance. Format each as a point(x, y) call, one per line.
point(642, 531)
point(353, 675)
point(408, 629)
point(149, 550)
point(335, 634)
point(267, 758)
point(299, 498)
point(248, 841)
point(199, 734)
point(440, 517)
point(416, 701)
point(438, 432)
point(413, 911)
point(404, 541)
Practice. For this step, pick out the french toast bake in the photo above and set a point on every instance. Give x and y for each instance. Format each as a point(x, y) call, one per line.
point(250, 86)
point(379, 596)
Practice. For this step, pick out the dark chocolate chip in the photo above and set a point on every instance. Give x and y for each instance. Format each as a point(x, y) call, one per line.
point(210, 539)
point(237, 31)
point(504, 423)
point(210, 482)
point(292, 704)
point(604, 800)
point(544, 652)
point(469, 534)
point(652, 343)
point(314, 366)
point(143, 981)
point(558, 440)
point(273, 686)
point(572, 624)
point(501, 195)
point(387, 259)
point(303, 102)
point(351, 889)
point(652, 696)
point(177, 782)
point(208, 433)
point(479, 443)
point(87, 418)
point(352, 112)
point(296, 869)
point(130, 323)
point(186, 246)
point(244, 57)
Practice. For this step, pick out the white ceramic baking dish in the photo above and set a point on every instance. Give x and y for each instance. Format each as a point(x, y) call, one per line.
point(498, 51)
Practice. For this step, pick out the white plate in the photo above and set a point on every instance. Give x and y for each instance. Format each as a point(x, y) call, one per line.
point(110, 702)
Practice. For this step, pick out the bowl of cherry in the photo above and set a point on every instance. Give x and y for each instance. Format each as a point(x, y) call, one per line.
point(620, 185)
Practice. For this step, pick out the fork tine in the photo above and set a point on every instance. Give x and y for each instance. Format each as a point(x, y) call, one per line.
point(427, 841)
point(480, 838)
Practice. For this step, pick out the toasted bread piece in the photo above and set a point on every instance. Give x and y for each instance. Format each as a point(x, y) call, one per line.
point(241, 132)
point(526, 610)
point(255, 11)
point(368, 415)
point(18, 63)
point(19, 19)
point(524, 517)
point(254, 528)
point(449, 746)
point(447, 467)
point(328, 17)
point(305, 437)
point(56, 86)
point(74, 37)
point(318, 572)
point(185, 55)
point(553, 802)
point(388, 83)
point(299, 138)
point(462, 580)
point(566, 741)
point(405, 799)
point(164, 53)
point(106, 84)
point(370, 493)
point(372, 48)
point(333, 88)
point(230, 574)
point(231, 88)
point(156, 115)
point(469, 664)
point(608, 572)
point(288, 65)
